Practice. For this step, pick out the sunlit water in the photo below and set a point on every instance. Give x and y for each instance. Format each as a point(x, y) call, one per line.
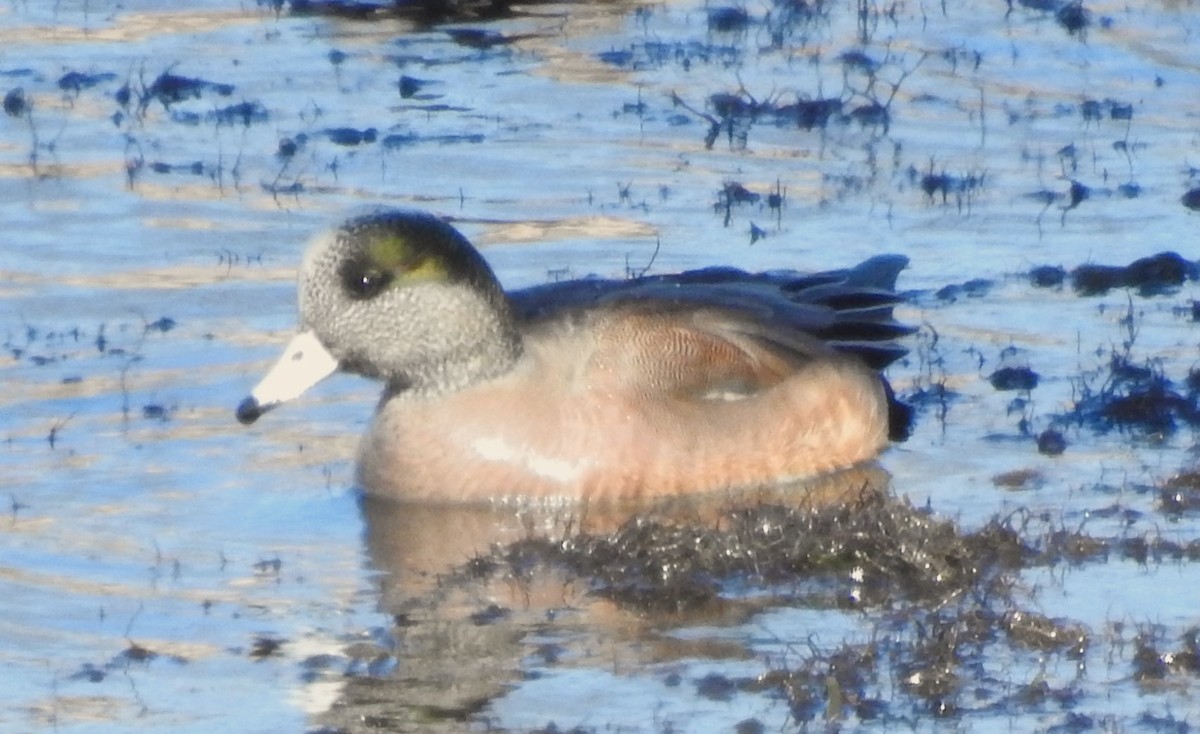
point(165, 568)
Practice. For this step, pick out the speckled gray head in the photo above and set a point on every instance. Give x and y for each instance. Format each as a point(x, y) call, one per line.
point(396, 295)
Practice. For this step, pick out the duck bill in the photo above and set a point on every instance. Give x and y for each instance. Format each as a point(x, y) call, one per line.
point(304, 363)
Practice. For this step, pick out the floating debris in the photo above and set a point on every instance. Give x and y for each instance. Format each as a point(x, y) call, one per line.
point(1014, 378)
point(196, 168)
point(1039, 632)
point(810, 113)
point(292, 189)
point(622, 59)
point(735, 193)
point(1074, 18)
point(1152, 275)
point(1136, 398)
point(156, 412)
point(1051, 442)
point(872, 114)
point(1044, 6)
point(1019, 480)
point(15, 104)
point(974, 288)
point(1047, 276)
point(75, 82)
point(409, 86)
point(171, 89)
point(288, 147)
point(1180, 493)
point(947, 186)
point(859, 61)
point(244, 113)
point(424, 11)
point(162, 325)
point(728, 19)
point(400, 140)
point(484, 39)
point(348, 9)
point(1129, 190)
point(266, 646)
point(350, 137)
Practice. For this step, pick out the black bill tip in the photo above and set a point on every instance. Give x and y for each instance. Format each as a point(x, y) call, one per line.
point(249, 411)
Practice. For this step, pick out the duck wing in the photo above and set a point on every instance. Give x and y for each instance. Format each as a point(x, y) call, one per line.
point(795, 314)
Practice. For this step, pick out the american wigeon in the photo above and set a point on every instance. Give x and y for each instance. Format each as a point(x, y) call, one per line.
point(588, 389)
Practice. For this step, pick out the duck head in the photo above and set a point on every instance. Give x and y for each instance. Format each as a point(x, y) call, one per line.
point(395, 295)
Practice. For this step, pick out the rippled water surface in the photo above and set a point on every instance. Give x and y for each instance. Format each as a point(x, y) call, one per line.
point(163, 165)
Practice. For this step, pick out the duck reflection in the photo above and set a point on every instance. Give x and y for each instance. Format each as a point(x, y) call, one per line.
point(482, 596)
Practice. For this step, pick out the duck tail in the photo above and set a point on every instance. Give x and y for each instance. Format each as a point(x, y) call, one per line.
point(900, 415)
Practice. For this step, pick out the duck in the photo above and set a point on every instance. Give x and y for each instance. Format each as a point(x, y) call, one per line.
point(591, 389)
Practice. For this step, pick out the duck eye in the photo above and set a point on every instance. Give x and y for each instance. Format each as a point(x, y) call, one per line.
point(362, 283)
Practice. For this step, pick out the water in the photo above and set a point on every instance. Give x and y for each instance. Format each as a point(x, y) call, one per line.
point(165, 568)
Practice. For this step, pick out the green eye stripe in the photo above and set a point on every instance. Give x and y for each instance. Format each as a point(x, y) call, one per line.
point(395, 254)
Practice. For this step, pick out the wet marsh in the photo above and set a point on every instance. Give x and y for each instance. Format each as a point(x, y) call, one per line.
point(1027, 560)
